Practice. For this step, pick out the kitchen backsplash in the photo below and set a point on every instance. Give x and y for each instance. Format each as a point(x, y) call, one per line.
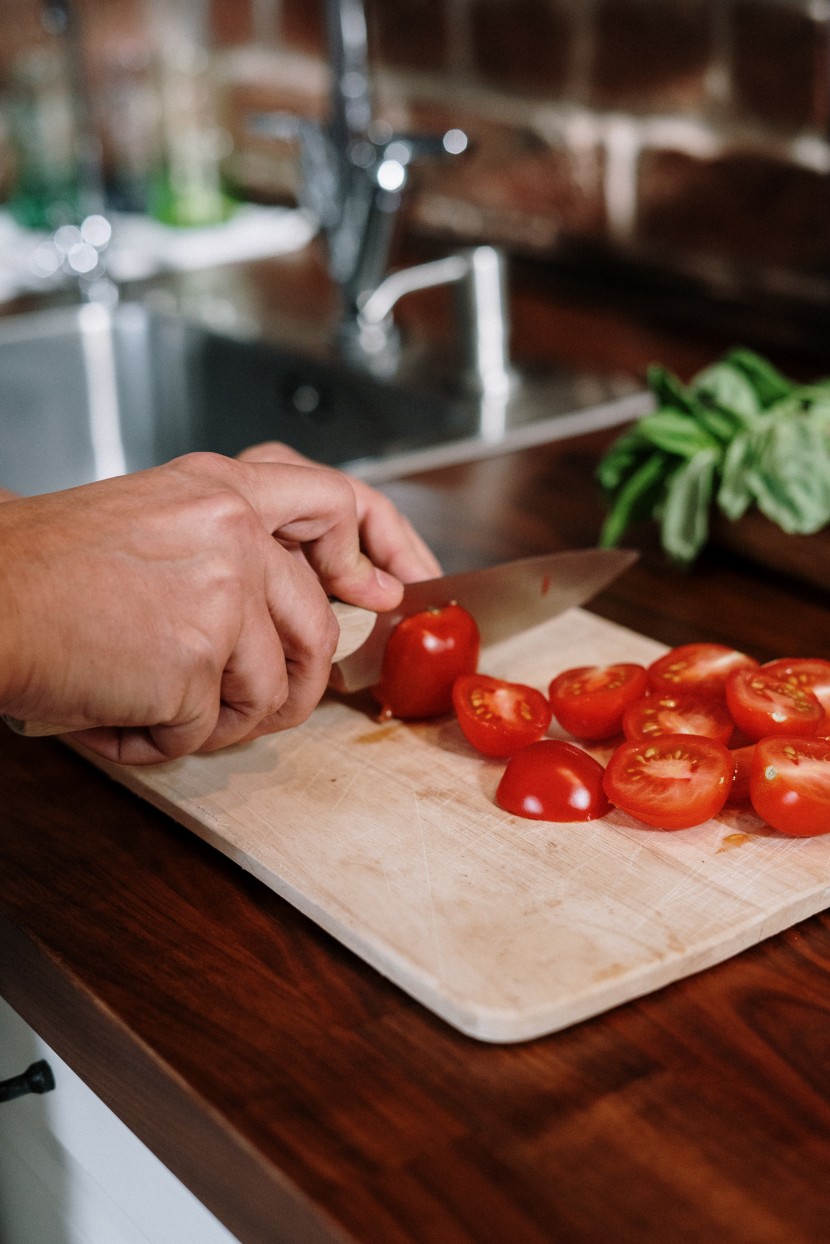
point(692, 136)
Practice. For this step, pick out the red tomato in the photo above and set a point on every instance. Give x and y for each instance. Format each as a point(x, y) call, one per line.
point(742, 760)
point(790, 785)
point(654, 715)
point(589, 701)
point(763, 702)
point(811, 673)
point(702, 668)
point(552, 781)
point(499, 717)
point(674, 782)
point(425, 653)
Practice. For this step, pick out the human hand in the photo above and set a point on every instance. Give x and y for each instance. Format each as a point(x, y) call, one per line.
point(167, 608)
point(386, 535)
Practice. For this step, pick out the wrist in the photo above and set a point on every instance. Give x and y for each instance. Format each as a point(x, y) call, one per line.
point(14, 675)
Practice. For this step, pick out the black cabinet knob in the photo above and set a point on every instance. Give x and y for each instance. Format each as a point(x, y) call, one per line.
point(35, 1079)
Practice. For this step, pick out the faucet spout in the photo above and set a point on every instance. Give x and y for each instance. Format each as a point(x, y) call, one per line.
point(483, 316)
point(351, 102)
point(367, 181)
point(354, 172)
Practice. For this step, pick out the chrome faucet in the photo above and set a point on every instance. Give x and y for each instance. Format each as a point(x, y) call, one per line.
point(354, 171)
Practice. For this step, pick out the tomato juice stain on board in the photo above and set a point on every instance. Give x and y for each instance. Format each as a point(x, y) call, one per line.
point(383, 732)
point(730, 841)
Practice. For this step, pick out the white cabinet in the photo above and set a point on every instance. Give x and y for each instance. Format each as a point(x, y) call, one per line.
point(72, 1173)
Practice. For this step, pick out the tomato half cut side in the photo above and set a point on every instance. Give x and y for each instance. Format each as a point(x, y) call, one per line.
point(700, 667)
point(654, 715)
point(498, 717)
point(789, 785)
point(424, 655)
point(762, 702)
point(589, 700)
point(673, 782)
point(552, 780)
point(812, 673)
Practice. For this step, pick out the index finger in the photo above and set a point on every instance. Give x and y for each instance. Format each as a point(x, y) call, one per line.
point(314, 507)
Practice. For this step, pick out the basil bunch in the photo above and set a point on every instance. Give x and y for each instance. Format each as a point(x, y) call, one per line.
point(739, 434)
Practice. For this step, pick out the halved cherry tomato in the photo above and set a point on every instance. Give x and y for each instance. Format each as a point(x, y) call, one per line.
point(812, 673)
point(790, 785)
point(742, 760)
point(552, 781)
point(499, 717)
point(425, 653)
point(701, 668)
point(674, 782)
point(655, 715)
point(763, 702)
point(589, 701)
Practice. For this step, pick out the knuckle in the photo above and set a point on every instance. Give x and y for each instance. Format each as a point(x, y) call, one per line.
point(200, 656)
point(200, 462)
point(327, 633)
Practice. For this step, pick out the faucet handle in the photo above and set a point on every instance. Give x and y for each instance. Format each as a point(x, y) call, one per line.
point(452, 142)
point(400, 150)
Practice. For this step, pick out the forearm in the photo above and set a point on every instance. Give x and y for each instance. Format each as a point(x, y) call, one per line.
point(5, 495)
point(13, 562)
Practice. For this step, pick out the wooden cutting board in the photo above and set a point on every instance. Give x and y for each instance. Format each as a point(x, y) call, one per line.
point(388, 837)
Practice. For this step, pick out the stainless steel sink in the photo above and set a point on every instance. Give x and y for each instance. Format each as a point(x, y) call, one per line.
point(86, 393)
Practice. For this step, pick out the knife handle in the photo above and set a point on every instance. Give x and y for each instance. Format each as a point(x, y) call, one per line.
point(355, 624)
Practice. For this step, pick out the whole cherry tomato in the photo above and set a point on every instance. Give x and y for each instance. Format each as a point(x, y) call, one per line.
point(589, 701)
point(764, 702)
point(789, 785)
point(552, 781)
point(672, 782)
point(701, 667)
point(669, 713)
point(425, 653)
point(499, 717)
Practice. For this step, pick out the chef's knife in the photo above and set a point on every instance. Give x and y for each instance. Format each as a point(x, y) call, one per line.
point(504, 600)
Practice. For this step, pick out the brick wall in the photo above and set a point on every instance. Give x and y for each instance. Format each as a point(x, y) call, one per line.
point(691, 135)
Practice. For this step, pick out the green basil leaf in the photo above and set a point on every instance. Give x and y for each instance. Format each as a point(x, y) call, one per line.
point(627, 451)
point(668, 390)
point(635, 500)
point(674, 433)
point(722, 425)
point(791, 477)
point(806, 400)
point(726, 387)
point(735, 495)
point(685, 522)
point(768, 384)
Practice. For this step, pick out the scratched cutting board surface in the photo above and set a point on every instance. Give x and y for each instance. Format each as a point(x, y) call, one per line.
point(388, 837)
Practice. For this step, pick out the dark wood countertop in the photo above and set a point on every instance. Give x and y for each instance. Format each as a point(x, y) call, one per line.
point(304, 1098)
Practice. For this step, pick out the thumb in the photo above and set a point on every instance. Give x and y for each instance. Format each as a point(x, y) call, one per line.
point(361, 583)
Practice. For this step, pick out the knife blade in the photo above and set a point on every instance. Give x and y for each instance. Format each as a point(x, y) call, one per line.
point(503, 599)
